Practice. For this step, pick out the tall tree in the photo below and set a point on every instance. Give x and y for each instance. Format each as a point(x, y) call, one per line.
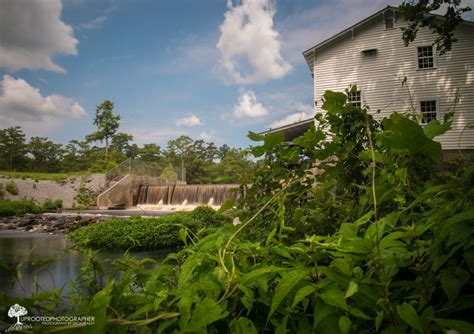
point(12, 147)
point(107, 124)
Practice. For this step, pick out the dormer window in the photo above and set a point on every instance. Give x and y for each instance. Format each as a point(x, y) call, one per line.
point(389, 19)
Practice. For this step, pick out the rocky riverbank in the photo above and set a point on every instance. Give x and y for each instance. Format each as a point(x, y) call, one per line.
point(49, 223)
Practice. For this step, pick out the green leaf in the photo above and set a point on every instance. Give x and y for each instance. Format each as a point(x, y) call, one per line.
point(242, 325)
point(364, 219)
point(353, 288)
point(284, 287)
point(334, 297)
point(310, 138)
point(378, 320)
point(452, 281)
point(227, 205)
point(403, 133)
point(302, 294)
point(183, 235)
point(462, 327)
point(272, 139)
point(409, 315)
point(435, 128)
point(344, 324)
point(206, 312)
point(254, 274)
point(258, 151)
point(254, 136)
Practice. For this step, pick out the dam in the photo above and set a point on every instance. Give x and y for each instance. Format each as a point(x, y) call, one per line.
point(202, 194)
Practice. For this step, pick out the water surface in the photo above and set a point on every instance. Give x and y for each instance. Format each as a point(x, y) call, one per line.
point(22, 251)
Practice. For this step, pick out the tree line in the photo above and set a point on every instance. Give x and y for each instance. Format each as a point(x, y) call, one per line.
point(204, 161)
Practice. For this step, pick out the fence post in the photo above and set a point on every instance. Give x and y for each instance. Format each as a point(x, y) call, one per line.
point(129, 166)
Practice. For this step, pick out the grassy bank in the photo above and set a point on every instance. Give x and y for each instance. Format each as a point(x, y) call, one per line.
point(147, 233)
point(17, 208)
point(56, 177)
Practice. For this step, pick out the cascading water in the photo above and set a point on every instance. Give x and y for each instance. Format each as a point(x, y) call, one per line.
point(187, 194)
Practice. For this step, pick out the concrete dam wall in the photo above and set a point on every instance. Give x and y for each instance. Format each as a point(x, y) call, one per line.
point(215, 194)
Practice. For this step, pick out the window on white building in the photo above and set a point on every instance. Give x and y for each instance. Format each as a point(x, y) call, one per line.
point(428, 111)
point(389, 19)
point(425, 57)
point(355, 99)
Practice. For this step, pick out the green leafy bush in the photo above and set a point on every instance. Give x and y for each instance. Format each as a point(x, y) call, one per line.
point(12, 188)
point(381, 244)
point(102, 166)
point(151, 233)
point(86, 198)
point(15, 208)
point(50, 205)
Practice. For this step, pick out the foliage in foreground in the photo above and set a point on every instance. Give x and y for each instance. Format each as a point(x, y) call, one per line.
point(400, 259)
point(146, 233)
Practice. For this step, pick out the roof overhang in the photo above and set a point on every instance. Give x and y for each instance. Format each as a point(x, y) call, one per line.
point(292, 131)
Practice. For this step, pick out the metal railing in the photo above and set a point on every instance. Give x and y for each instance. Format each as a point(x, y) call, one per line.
point(142, 168)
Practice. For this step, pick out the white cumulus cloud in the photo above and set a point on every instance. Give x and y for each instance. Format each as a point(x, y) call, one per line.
point(192, 120)
point(206, 136)
point(248, 106)
point(24, 105)
point(249, 45)
point(303, 112)
point(31, 33)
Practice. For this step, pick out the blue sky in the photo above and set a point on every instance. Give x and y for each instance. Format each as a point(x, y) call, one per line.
point(207, 69)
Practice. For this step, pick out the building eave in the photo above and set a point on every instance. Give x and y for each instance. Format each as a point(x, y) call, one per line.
point(309, 53)
point(292, 130)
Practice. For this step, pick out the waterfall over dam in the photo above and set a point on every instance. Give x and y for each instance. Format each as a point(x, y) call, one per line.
point(208, 194)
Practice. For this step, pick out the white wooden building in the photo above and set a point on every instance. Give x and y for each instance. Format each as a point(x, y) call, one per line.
point(371, 54)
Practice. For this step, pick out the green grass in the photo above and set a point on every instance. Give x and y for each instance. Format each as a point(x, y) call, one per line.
point(57, 177)
point(146, 233)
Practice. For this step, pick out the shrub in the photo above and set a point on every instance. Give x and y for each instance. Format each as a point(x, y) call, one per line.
point(15, 208)
point(2, 192)
point(137, 232)
point(49, 205)
point(12, 188)
point(101, 166)
point(86, 198)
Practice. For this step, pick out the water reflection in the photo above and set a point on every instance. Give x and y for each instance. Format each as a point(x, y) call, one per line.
point(22, 252)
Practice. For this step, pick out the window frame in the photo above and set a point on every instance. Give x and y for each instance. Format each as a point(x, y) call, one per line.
point(433, 55)
point(427, 112)
point(350, 100)
point(385, 19)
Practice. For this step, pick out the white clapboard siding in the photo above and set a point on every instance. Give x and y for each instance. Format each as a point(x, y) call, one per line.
point(379, 77)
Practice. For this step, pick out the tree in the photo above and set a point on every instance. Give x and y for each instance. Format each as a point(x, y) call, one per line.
point(182, 147)
point(419, 15)
point(120, 146)
point(47, 156)
point(12, 147)
point(17, 311)
point(150, 152)
point(107, 124)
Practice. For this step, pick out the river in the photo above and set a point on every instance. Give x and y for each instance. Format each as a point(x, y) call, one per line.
point(21, 253)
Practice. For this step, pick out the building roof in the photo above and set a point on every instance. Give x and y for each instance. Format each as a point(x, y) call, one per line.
point(308, 54)
point(292, 130)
